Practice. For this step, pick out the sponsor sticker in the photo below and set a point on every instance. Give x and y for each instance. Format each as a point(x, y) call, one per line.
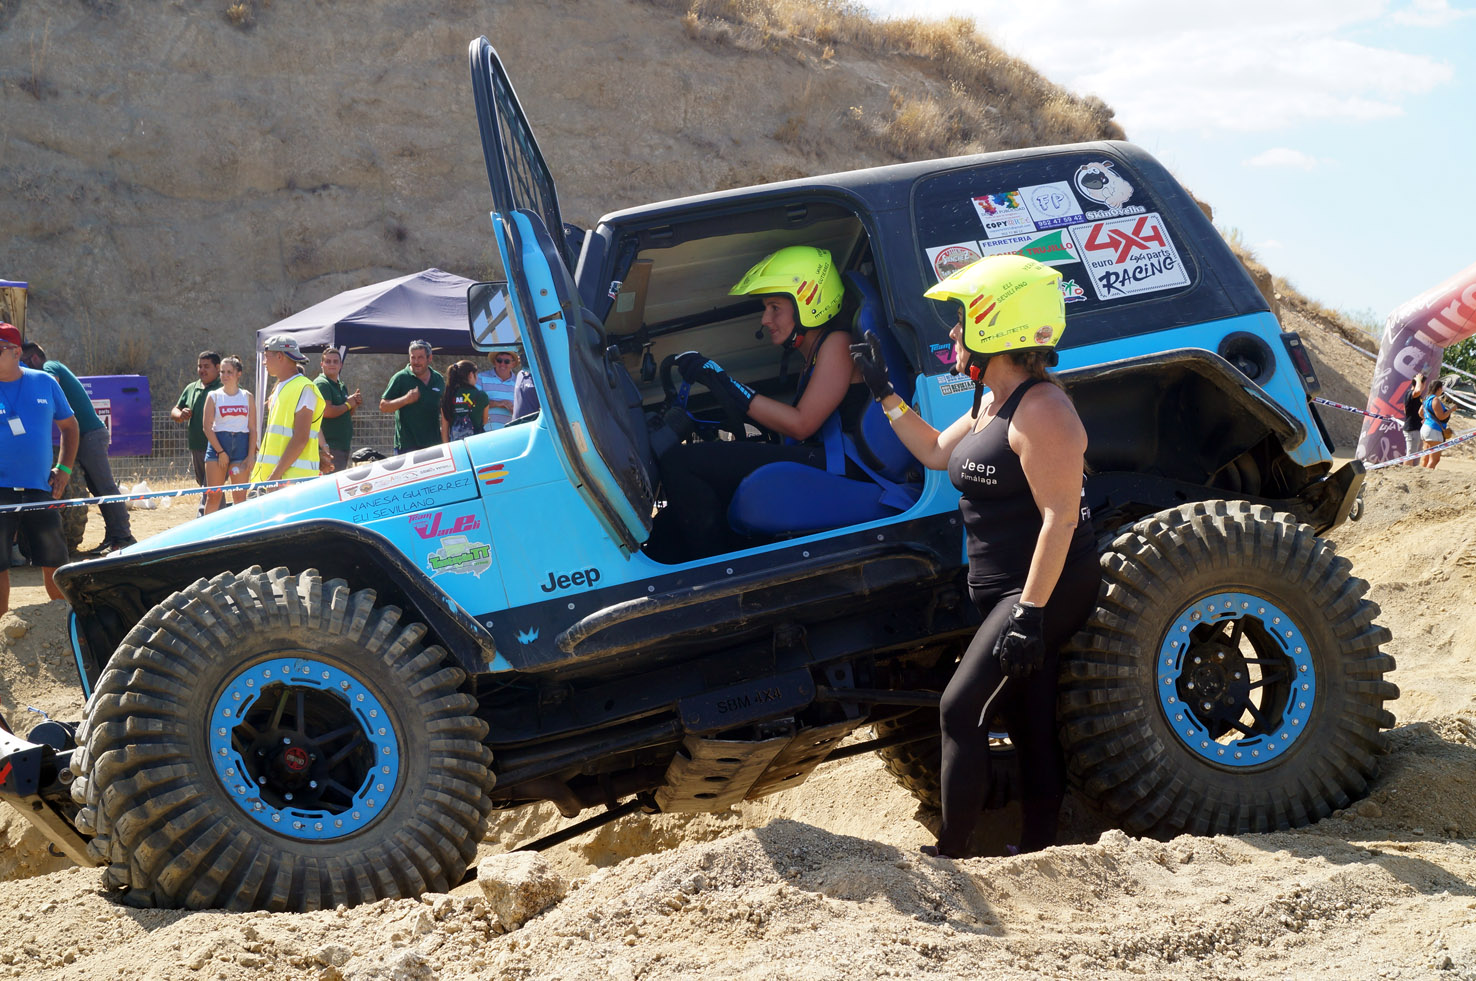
point(1053, 248)
point(949, 259)
point(397, 471)
point(1052, 205)
point(943, 352)
point(1128, 256)
point(1099, 182)
point(953, 384)
point(458, 555)
point(1070, 292)
point(1003, 213)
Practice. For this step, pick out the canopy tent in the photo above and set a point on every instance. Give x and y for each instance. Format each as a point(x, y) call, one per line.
point(13, 303)
point(383, 318)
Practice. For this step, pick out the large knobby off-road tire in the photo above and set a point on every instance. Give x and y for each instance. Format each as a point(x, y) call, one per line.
point(271, 741)
point(1230, 679)
point(74, 519)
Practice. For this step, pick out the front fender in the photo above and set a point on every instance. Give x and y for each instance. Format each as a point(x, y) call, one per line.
point(110, 595)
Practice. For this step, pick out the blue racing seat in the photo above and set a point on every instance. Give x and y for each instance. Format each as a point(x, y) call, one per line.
point(791, 498)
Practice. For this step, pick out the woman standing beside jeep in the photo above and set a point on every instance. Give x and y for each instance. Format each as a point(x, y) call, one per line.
point(1018, 462)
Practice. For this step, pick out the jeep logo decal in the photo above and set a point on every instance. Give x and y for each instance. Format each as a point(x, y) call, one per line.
point(582, 578)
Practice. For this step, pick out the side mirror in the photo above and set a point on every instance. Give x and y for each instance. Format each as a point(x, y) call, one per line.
point(489, 317)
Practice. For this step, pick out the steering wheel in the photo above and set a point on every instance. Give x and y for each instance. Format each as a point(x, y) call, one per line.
point(733, 421)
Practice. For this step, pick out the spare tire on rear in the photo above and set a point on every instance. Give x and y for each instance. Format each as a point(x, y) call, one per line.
point(1230, 679)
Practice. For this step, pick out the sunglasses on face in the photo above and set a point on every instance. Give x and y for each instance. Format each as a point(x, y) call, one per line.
point(504, 361)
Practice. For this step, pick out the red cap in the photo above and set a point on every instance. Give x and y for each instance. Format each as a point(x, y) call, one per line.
point(9, 334)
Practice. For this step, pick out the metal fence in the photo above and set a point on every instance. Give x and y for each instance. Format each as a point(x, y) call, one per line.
point(171, 457)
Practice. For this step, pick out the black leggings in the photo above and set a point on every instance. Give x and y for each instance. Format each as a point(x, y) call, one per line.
point(698, 481)
point(1027, 704)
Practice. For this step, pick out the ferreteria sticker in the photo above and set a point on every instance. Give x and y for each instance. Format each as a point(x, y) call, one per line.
point(458, 555)
point(1053, 248)
point(1129, 256)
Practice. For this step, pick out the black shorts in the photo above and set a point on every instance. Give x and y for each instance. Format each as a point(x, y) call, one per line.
point(42, 530)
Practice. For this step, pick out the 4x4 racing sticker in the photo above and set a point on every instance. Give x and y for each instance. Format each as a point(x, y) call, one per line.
point(1052, 248)
point(1128, 256)
point(1003, 213)
point(394, 472)
point(459, 555)
point(949, 259)
point(1052, 205)
point(1100, 182)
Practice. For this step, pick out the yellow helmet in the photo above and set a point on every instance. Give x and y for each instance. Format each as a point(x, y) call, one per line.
point(1011, 303)
point(804, 273)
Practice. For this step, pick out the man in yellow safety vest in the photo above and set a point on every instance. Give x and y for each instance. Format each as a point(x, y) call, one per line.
point(289, 445)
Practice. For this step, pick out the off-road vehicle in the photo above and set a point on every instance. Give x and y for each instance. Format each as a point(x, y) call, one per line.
point(319, 696)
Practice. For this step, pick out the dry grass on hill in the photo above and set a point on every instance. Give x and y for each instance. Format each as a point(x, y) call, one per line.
point(959, 115)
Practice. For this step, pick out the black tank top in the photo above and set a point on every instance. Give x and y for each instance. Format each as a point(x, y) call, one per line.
point(999, 512)
point(853, 404)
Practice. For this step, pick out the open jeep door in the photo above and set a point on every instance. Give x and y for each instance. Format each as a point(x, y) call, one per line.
point(592, 408)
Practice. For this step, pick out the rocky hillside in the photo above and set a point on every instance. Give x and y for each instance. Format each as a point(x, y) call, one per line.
point(180, 173)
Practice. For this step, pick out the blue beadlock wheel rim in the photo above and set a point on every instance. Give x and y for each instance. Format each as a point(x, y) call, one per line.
point(304, 748)
point(1235, 679)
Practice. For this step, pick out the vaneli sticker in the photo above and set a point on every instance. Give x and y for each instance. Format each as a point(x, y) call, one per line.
point(1052, 205)
point(1052, 248)
point(1003, 214)
point(1128, 256)
point(949, 259)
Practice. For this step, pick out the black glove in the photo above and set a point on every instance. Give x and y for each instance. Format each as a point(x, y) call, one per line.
point(868, 358)
point(690, 364)
point(734, 395)
point(1021, 646)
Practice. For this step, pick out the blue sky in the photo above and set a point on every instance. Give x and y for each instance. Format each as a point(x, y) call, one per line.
point(1338, 137)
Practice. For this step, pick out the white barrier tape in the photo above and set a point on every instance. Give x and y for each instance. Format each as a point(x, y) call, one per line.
point(1338, 405)
point(1464, 437)
point(77, 502)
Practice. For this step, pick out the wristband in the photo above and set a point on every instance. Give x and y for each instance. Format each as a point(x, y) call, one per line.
point(63, 468)
point(896, 413)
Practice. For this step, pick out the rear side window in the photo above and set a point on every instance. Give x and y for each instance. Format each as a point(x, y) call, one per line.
point(1085, 213)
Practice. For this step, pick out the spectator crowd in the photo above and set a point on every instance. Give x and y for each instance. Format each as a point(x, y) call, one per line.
point(304, 427)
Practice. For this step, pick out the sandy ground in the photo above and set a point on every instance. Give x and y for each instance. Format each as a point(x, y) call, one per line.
point(826, 882)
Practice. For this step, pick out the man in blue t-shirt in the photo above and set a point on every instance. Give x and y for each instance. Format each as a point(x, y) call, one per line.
point(92, 448)
point(30, 402)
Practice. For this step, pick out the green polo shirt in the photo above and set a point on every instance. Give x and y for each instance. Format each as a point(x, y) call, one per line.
point(338, 431)
point(77, 398)
point(417, 425)
point(194, 396)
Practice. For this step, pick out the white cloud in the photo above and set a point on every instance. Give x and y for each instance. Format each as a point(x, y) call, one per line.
point(1429, 13)
point(1254, 66)
point(1284, 157)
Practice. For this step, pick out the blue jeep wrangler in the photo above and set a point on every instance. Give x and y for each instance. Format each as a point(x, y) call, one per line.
point(318, 697)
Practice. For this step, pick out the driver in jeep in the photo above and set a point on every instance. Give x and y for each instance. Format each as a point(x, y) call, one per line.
point(803, 294)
